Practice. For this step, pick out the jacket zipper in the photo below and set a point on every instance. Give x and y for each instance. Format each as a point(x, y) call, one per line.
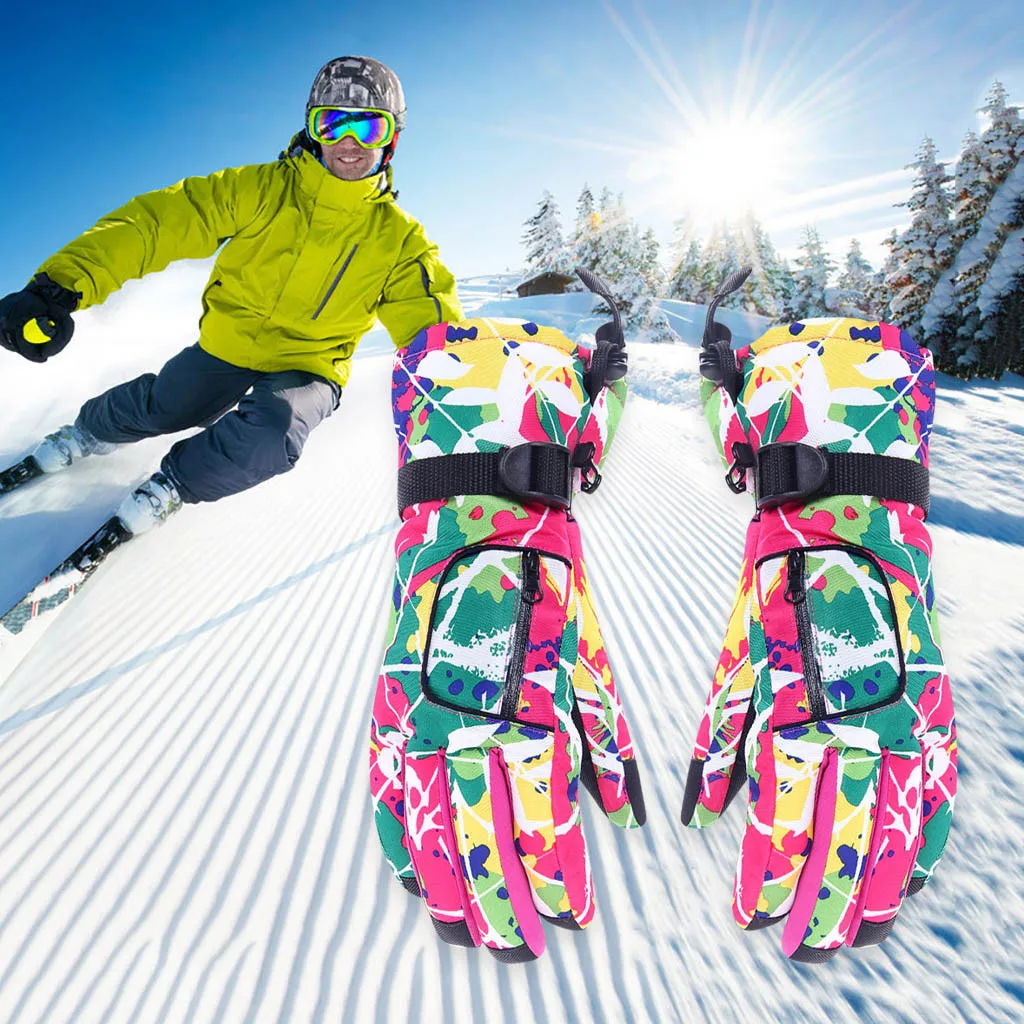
point(334, 283)
point(796, 594)
point(529, 596)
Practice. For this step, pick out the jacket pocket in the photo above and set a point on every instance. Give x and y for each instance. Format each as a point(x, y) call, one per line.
point(334, 284)
point(495, 633)
point(831, 633)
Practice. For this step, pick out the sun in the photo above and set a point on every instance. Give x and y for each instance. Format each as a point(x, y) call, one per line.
point(721, 169)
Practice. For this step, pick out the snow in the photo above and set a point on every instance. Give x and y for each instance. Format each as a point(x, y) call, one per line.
point(999, 211)
point(1006, 270)
point(187, 830)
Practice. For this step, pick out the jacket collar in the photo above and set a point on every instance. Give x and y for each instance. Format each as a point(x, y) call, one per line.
point(335, 193)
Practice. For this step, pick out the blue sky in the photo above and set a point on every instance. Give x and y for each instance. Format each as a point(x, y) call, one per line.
point(824, 106)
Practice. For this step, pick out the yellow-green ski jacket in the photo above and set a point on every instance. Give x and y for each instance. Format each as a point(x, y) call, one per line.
point(310, 262)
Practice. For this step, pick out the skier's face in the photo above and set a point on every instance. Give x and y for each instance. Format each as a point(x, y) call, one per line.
point(348, 160)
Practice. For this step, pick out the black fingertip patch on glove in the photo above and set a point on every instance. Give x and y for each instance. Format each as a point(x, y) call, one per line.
point(916, 885)
point(410, 885)
point(812, 955)
point(515, 955)
point(568, 923)
point(871, 933)
point(455, 933)
point(694, 780)
point(739, 766)
point(630, 769)
point(587, 774)
point(634, 790)
point(736, 779)
point(758, 923)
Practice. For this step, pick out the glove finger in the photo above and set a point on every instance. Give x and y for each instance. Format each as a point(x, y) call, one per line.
point(609, 770)
point(809, 873)
point(718, 767)
point(549, 829)
point(806, 843)
point(434, 851)
point(825, 900)
point(894, 841)
point(387, 756)
point(939, 745)
point(500, 899)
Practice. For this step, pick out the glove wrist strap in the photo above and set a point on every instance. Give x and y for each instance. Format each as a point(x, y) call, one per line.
point(44, 286)
point(788, 471)
point(539, 471)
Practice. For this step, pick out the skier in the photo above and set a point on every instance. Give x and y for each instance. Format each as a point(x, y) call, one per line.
point(316, 249)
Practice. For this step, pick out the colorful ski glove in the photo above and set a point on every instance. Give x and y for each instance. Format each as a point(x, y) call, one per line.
point(830, 693)
point(495, 699)
point(36, 322)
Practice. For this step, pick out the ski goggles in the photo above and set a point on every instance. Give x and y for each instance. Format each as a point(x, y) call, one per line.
point(370, 128)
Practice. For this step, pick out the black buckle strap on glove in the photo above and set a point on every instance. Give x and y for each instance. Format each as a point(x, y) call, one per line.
point(717, 362)
point(583, 460)
point(609, 362)
point(788, 471)
point(36, 322)
point(540, 471)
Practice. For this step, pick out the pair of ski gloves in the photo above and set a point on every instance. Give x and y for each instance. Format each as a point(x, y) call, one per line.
point(496, 700)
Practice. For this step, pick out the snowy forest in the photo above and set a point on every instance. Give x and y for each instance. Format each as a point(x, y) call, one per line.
point(954, 277)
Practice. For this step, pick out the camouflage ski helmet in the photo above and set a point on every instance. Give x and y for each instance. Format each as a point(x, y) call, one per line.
point(358, 82)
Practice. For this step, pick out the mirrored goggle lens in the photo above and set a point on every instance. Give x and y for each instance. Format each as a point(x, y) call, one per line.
point(370, 128)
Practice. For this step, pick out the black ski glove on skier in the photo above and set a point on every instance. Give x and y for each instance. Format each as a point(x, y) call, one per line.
point(36, 322)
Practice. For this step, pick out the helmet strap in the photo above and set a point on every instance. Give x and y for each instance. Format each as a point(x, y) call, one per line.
point(389, 151)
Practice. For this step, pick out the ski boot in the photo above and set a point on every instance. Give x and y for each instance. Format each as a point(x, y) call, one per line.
point(58, 450)
point(149, 504)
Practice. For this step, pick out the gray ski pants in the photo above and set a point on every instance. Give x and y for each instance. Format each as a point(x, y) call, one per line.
point(239, 447)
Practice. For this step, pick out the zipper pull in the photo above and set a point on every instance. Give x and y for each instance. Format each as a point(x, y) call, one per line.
point(531, 577)
point(796, 589)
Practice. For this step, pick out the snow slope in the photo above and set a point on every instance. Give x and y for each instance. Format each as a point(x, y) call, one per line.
point(186, 827)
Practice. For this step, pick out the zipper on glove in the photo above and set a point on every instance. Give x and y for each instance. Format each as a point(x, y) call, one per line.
point(796, 595)
point(529, 596)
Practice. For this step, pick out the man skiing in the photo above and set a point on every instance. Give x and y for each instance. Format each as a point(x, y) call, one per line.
point(316, 250)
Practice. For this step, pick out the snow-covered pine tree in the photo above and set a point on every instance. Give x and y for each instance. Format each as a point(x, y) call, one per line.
point(1008, 318)
point(925, 249)
point(951, 319)
point(1002, 146)
point(630, 284)
point(971, 190)
point(646, 317)
point(545, 246)
point(762, 292)
point(616, 243)
point(998, 341)
point(855, 283)
point(785, 289)
point(620, 247)
point(586, 239)
point(685, 282)
point(814, 266)
point(719, 259)
point(1001, 138)
point(879, 294)
point(684, 279)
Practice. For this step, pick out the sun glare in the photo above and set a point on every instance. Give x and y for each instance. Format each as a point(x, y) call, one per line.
point(722, 169)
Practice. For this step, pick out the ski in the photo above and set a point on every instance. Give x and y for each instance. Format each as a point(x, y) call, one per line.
point(22, 625)
point(20, 473)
